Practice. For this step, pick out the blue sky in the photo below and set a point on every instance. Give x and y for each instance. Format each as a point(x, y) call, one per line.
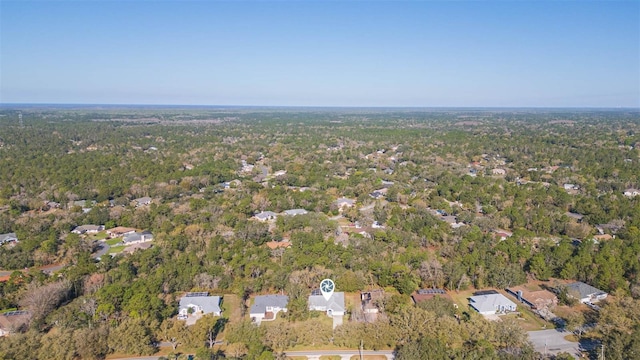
point(312, 53)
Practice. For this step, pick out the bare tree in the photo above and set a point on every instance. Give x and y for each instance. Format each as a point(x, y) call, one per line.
point(41, 300)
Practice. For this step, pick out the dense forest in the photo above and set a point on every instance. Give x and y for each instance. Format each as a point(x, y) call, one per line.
point(552, 179)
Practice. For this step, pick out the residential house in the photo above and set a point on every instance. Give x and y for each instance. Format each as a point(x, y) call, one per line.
point(143, 201)
point(266, 216)
point(266, 307)
point(137, 237)
point(119, 231)
point(344, 203)
point(87, 229)
point(498, 171)
point(631, 192)
point(376, 195)
point(535, 299)
point(199, 303)
point(13, 321)
point(9, 237)
point(387, 184)
point(428, 294)
point(334, 307)
point(294, 212)
point(491, 303)
point(571, 187)
point(585, 293)
point(502, 234)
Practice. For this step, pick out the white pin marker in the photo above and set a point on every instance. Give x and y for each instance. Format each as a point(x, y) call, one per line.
point(326, 288)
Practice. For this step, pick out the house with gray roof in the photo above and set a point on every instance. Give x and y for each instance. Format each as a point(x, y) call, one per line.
point(145, 200)
point(137, 237)
point(266, 215)
point(344, 203)
point(334, 307)
point(491, 303)
point(199, 303)
point(87, 229)
point(294, 212)
point(585, 293)
point(9, 237)
point(266, 307)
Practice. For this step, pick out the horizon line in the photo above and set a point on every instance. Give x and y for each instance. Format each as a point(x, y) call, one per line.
point(7, 104)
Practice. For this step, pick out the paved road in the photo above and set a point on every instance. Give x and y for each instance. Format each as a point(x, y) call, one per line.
point(345, 354)
point(553, 342)
point(104, 248)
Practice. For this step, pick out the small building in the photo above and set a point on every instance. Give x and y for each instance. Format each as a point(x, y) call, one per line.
point(143, 201)
point(585, 293)
point(536, 299)
point(13, 321)
point(498, 171)
point(87, 229)
point(7, 238)
point(631, 192)
point(266, 216)
point(487, 303)
point(428, 294)
point(137, 237)
point(266, 307)
point(294, 212)
point(199, 303)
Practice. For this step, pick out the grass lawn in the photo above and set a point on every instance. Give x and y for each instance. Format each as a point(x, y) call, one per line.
point(99, 236)
point(112, 242)
point(116, 249)
point(232, 308)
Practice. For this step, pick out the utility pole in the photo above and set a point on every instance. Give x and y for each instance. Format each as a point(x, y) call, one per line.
point(20, 119)
point(361, 349)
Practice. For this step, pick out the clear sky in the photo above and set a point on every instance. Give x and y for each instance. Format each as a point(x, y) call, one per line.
point(312, 53)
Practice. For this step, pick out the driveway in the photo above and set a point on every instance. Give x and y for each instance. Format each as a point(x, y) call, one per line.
point(553, 342)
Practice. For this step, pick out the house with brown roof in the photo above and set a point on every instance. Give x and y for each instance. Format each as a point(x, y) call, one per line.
point(120, 231)
point(13, 321)
point(535, 299)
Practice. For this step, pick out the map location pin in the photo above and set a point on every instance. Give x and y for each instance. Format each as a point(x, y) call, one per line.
point(326, 288)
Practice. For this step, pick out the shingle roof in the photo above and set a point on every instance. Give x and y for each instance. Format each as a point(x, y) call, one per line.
point(335, 302)
point(261, 302)
point(209, 304)
point(8, 237)
point(582, 290)
point(491, 302)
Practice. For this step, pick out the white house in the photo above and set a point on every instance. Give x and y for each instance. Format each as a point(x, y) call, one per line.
point(294, 212)
point(631, 192)
point(199, 303)
point(9, 237)
point(491, 303)
point(87, 229)
point(266, 307)
point(266, 216)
